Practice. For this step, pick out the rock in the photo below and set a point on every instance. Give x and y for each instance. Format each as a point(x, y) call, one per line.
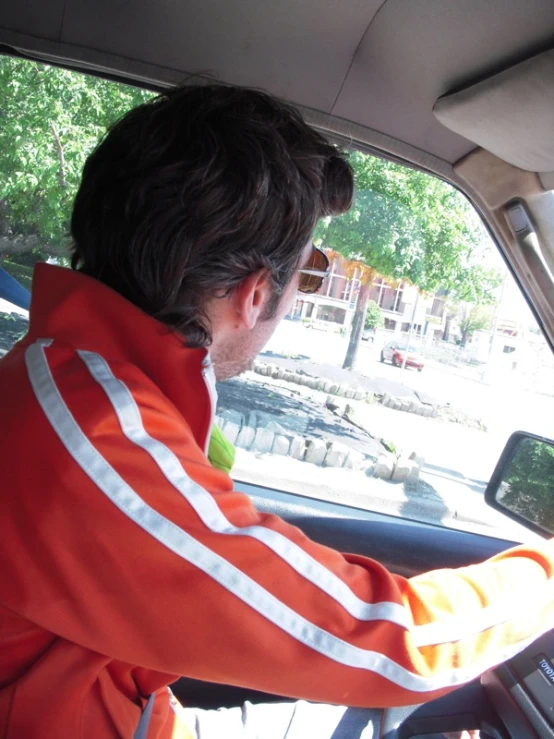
point(232, 416)
point(331, 403)
point(336, 455)
point(263, 440)
point(417, 460)
point(231, 431)
point(316, 449)
point(276, 428)
point(333, 389)
point(297, 447)
point(412, 480)
point(245, 437)
point(281, 445)
point(384, 467)
point(355, 460)
point(402, 469)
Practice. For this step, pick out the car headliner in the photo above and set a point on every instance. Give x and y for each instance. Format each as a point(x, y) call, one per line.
point(379, 64)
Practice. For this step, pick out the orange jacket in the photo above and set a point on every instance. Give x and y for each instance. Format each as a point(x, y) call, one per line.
point(128, 560)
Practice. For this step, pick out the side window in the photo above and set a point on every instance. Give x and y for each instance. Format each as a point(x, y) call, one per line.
point(50, 119)
point(393, 389)
point(411, 419)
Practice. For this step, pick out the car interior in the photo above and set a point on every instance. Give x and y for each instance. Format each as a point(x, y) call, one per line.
point(461, 90)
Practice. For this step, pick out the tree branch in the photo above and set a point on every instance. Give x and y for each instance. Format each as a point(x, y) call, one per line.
point(61, 159)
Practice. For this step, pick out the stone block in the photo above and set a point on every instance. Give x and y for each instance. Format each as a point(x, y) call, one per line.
point(427, 410)
point(342, 390)
point(405, 405)
point(349, 392)
point(321, 385)
point(263, 441)
point(327, 386)
point(333, 389)
point(417, 459)
point(297, 447)
point(245, 437)
point(402, 469)
point(316, 449)
point(281, 445)
point(384, 467)
point(331, 402)
point(336, 455)
point(276, 428)
point(355, 460)
point(413, 476)
point(232, 416)
point(281, 373)
point(314, 383)
point(359, 395)
point(231, 431)
point(385, 400)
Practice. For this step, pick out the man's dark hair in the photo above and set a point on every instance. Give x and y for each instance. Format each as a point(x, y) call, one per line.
point(193, 191)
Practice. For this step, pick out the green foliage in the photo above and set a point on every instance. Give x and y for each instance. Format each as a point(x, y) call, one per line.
point(51, 120)
point(406, 224)
point(374, 315)
point(474, 318)
point(529, 483)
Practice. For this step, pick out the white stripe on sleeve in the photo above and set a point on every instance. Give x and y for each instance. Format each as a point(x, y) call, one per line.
point(103, 475)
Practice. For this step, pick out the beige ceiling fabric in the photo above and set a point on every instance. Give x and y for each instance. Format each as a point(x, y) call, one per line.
point(511, 114)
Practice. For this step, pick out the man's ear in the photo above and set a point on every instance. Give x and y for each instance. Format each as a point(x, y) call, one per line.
point(251, 296)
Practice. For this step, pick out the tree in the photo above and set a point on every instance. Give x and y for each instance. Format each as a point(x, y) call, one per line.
point(51, 120)
point(528, 487)
point(473, 318)
point(407, 226)
point(374, 316)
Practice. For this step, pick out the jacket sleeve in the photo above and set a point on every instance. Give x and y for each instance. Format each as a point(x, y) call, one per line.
point(145, 553)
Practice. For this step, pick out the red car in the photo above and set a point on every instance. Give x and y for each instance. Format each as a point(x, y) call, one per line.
point(394, 352)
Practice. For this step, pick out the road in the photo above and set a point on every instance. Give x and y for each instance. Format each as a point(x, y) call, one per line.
point(458, 460)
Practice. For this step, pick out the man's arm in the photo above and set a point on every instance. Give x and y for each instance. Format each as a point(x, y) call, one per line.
point(160, 564)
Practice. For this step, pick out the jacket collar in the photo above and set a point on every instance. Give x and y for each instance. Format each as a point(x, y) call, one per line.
point(82, 312)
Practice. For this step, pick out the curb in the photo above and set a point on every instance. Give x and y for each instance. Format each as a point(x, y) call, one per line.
point(305, 449)
point(266, 440)
point(343, 390)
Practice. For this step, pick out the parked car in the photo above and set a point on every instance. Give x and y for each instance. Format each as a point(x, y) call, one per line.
point(368, 334)
point(394, 352)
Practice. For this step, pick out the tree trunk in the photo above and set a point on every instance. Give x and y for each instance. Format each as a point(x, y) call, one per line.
point(357, 326)
point(447, 324)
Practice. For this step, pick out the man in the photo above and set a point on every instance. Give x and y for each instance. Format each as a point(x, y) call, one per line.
point(128, 560)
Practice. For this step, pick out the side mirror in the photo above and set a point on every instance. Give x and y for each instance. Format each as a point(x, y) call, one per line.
point(522, 484)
